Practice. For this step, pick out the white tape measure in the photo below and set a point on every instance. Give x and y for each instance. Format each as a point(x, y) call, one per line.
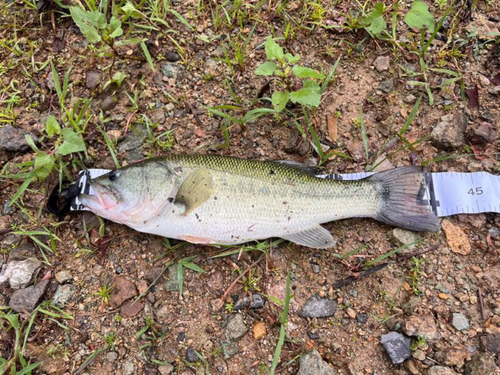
point(448, 193)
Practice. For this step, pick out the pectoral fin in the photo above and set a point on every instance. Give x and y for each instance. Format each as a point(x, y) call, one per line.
point(195, 190)
point(315, 236)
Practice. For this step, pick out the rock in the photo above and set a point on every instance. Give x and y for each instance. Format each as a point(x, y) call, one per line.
point(122, 290)
point(131, 308)
point(158, 116)
point(13, 139)
point(449, 133)
point(64, 294)
point(423, 326)
point(166, 369)
point(387, 86)
point(456, 238)
point(362, 318)
point(229, 349)
point(63, 277)
point(313, 364)
point(313, 335)
point(316, 307)
point(128, 368)
point(27, 299)
point(191, 355)
point(397, 346)
point(172, 284)
point(382, 63)
point(382, 163)
point(259, 330)
point(112, 356)
point(114, 135)
point(132, 140)
point(172, 56)
point(153, 275)
point(169, 70)
point(410, 99)
point(108, 103)
point(163, 312)
point(351, 313)
point(494, 232)
point(441, 370)
point(256, 302)
point(481, 133)
point(93, 79)
point(418, 354)
point(491, 343)
point(22, 252)
point(494, 90)
point(406, 237)
point(459, 321)
point(19, 273)
point(211, 66)
point(481, 364)
point(452, 357)
point(236, 327)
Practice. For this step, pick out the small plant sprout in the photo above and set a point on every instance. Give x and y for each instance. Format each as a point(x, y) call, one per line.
point(283, 67)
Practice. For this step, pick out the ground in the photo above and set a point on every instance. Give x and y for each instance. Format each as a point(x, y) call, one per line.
point(186, 88)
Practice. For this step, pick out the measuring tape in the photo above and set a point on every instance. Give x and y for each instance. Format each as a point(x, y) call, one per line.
point(447, 193)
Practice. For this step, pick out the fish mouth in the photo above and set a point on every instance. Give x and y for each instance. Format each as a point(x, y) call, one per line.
point(102, 200)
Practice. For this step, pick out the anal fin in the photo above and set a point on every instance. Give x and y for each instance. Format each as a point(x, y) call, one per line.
point(315, 236)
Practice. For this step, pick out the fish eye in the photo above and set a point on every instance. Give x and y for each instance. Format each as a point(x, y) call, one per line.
point(113, 175)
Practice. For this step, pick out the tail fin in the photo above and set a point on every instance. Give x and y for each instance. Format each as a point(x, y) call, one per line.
point(401, 191)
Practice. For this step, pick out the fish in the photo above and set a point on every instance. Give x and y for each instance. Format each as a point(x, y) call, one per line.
point(223, 200)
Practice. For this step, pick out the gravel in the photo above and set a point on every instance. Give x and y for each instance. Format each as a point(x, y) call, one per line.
point(19, 273)
point(64, 294)
point(313, 364)
point(236, 327)
point(316, 307)
point(459, 321)
point(27, 299)
point(13, 139)
point(397, 346)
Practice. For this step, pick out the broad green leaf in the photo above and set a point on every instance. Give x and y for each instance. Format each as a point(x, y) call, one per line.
point(279, 99)
point(52, 126)
point(89, 23)
point(43, 164)
point(73, 142)
point(130, 10)
point(292, 59)
point(303, 72)
point(266, 69)
point(374, 22)
point(309, 94)
point(419, 16)
point(118, 78)
point(273, 50)
point(115, 28)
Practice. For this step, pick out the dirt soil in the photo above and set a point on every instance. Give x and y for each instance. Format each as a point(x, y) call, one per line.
point(416, 294)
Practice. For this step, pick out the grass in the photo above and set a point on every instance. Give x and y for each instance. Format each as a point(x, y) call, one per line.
point(22, 328)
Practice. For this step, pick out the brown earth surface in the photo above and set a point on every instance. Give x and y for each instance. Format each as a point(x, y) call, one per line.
point(417, 293)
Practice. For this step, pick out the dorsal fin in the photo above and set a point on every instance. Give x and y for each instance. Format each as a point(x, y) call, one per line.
point(296, 165)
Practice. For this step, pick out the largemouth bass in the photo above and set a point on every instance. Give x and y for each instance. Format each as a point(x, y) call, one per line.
point(209, 199)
